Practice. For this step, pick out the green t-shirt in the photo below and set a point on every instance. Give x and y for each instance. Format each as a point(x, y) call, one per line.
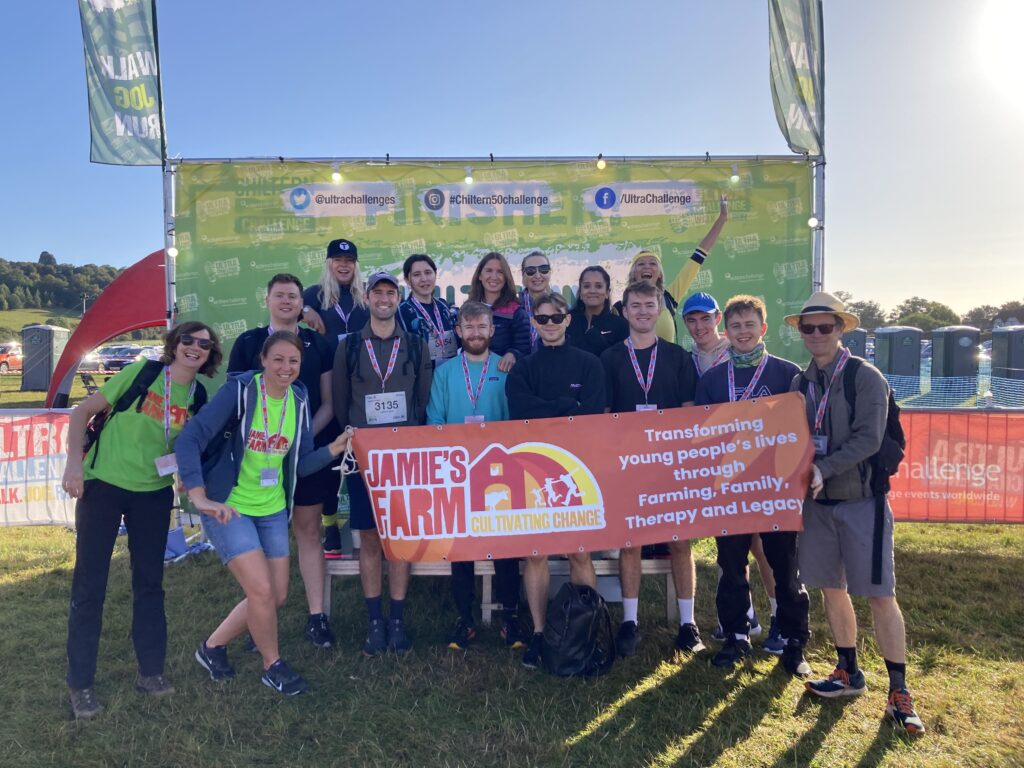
point(131, 441)
point(248, 496)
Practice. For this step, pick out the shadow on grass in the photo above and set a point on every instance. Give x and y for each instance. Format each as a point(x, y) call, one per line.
point(807, 746)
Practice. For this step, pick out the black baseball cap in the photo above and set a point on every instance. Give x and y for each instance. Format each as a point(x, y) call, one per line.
point(342, 247)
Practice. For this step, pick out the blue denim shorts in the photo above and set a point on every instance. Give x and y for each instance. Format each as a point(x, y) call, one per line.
point(245, 533)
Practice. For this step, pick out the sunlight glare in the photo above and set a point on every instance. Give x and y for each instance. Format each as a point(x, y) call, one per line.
point(1000, 50)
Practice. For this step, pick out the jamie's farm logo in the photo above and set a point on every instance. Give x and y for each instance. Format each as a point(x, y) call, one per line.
point(441, 493)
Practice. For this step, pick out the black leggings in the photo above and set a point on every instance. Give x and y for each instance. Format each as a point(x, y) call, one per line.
point(506, 585)
point(98, 514)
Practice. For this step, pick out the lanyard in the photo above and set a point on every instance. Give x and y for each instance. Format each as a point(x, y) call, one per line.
point(341, 313)
point(437, 328)
point(753, 380)
point(266, 418)
point(167, 404)
point(645, 384)
point(528, 306)
point(391, 362)
point(696, 360)
point(474, 397)
point(819, 414)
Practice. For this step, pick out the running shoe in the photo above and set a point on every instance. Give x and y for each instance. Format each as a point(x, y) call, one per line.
point(318, 631)
point(215, 661)
point(284, 679)
point(376, 638)
point(775, 642)
point(688, 639)
point(535, 651)
point(512, 632)
point(839, 683)
point(463, 633)
point(627, 639)
point(734, 649)
point(793, 660)
point(84, 704)
point(398, 640)
point(901, 709)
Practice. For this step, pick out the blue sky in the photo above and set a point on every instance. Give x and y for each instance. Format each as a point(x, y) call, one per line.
point(924, 110)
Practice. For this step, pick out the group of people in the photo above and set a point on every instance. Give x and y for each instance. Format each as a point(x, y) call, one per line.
point(264, 451)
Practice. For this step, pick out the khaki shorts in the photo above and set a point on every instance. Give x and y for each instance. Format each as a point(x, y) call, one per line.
point(835, 548)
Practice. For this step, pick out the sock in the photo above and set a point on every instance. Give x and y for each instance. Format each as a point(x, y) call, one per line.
point(847, 659)
point(750, 612)
point(629, 608)
point(897, 675)
point(774, 604)
point(329, 520)
point(373, 608)
point(685, 611)
point(738, 636)
point(396, 609)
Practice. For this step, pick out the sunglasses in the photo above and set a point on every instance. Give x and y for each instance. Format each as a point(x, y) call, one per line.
point(807, 329)
point(542, 268)
point(558, 318)
point(187, 341)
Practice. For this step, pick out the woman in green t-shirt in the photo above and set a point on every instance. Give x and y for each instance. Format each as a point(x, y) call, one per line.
point(130, 478)
point(244, 491)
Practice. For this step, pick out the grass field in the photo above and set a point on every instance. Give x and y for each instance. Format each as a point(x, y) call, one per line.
point(960, 587)
point(18, 318)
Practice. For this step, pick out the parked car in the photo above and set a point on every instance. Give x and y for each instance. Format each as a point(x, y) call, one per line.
point(117, 357)
point(10, 357)
point(151, 351)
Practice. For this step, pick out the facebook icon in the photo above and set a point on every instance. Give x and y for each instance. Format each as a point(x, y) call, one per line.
point(605, 198)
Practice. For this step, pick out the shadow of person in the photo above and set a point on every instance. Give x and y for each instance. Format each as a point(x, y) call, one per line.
point(828, 713)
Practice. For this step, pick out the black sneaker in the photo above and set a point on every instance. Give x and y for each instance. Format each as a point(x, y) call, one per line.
point(462, 634)
point(794, 662)
point(627, 639)
point(215, 661)
point(512, 632)
point(318, 631)
point(688, 639)
point(154, 685)
point(376, 638)
point(84, 704)
point(284, 679)
point(332, 540)
point(733, 650)
point(398, 640)
point(534, 652)
point(249, 646)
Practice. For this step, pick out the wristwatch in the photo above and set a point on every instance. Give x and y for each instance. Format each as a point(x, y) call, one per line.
point(305, 309)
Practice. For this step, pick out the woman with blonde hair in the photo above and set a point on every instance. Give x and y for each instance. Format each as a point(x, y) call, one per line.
point(337, 306)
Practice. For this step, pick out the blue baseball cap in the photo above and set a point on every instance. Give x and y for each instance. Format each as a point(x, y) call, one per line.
point(380, 276)
point(701, 302)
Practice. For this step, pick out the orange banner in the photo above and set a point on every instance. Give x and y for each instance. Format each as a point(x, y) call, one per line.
point(961, 466)
point(550, 486)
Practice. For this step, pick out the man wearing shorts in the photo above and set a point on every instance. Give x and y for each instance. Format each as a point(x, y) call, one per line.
point(836, 546)
point(284, 306)
point(380, 380)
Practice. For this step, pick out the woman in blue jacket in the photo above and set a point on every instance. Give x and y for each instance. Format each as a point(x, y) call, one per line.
point(492, 284)
point(244, 489)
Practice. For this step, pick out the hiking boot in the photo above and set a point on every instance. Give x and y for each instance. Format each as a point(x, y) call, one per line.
point(512, 632)
point(84, 703)
point(284, 679)
point(318, 630)
point(839, 683)
point(332, 540)
point(688, 639)
point(734, 649)
point(376, 638)
point(793, 660)
point(627, 639)
point(534, 652)
point(154, 685)
point(215, 661)
point(398, 640)
point(462, 634)
point(775, 642)
point(901, 709)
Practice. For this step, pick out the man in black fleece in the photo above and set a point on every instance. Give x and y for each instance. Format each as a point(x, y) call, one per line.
point(556, 380)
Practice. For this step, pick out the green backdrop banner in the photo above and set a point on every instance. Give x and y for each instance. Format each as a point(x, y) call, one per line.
point(239, 222)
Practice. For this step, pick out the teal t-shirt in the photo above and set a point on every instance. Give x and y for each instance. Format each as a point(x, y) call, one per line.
point(249, 496)
point(449, 402)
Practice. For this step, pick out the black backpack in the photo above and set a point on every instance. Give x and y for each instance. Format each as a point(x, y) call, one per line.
point(884, 464)
point(578, 637)
point(134, 395)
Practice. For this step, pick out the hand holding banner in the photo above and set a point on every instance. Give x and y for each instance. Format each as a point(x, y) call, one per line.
point(549, 486)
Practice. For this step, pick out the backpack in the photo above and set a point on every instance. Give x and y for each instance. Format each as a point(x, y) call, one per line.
point(134, 395)
point(884, 464)
point(578, 637)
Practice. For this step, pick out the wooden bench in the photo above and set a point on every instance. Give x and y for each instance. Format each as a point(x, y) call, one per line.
point(485, 569)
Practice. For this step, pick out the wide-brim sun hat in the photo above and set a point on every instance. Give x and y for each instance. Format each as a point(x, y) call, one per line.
point(821, 302)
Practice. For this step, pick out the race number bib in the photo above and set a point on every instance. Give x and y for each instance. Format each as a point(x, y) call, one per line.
point(166, 465)
point(475, 418)
point(442, 347)
point(646, 407)
point(385, 408)
point(820, 444)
